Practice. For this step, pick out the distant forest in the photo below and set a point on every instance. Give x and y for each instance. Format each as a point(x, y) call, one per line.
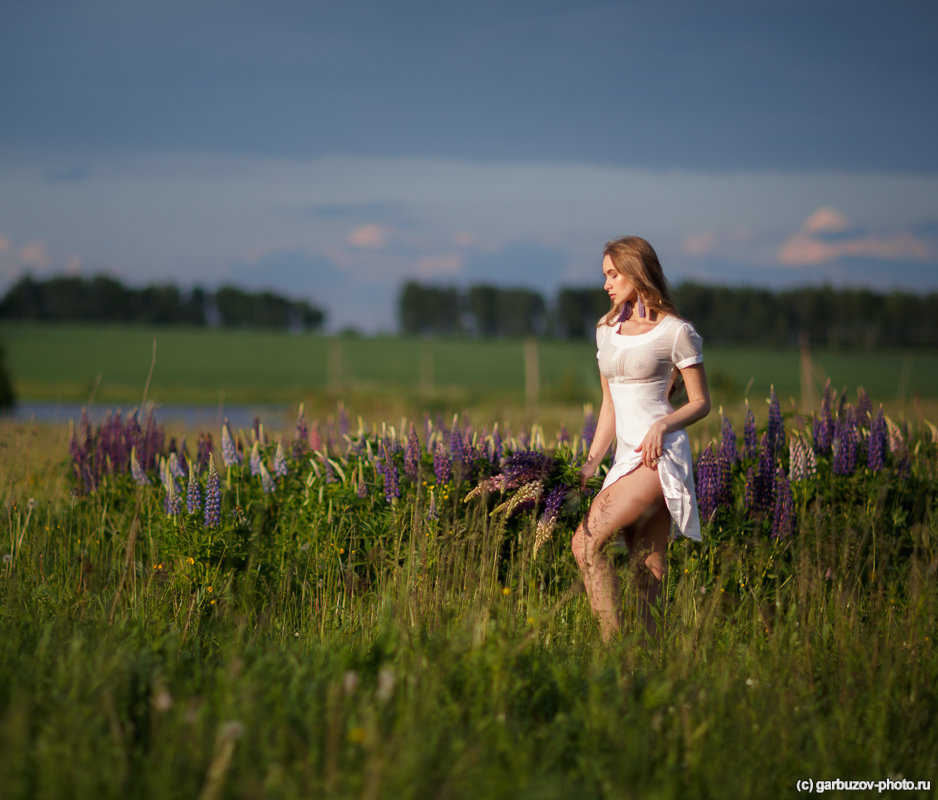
point(723, 315)
point(103, 299)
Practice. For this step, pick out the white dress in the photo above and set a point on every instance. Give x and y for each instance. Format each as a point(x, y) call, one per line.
point(640, 370)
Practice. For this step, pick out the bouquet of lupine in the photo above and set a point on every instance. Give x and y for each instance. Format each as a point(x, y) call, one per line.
point(531, 480)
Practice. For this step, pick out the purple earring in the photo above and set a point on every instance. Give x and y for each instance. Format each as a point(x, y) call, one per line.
point(641, 309)
point(626, 311)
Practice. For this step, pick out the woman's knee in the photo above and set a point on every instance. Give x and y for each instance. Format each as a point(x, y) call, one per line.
point(585, 546)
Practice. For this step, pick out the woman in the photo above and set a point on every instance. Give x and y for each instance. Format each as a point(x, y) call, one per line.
point(641, 346)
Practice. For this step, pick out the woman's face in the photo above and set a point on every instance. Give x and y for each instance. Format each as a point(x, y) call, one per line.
point(617, 286)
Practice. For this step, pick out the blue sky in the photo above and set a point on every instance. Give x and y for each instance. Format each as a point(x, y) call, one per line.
point(331, 150)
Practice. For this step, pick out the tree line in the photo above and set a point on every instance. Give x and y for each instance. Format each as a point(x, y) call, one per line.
point(723, 315)
point(104, 299)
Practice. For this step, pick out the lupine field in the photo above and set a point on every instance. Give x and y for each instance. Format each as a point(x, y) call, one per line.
point(351, 609)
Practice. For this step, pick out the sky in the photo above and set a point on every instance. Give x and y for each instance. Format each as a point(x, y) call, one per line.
point(332, 149)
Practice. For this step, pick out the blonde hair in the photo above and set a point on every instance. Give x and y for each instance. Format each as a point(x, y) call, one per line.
point(637, 260)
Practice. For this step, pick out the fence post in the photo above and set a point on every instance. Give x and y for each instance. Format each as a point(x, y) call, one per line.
point(532, 373)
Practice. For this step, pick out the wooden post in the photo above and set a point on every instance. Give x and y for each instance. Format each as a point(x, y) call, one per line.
point(426, 367)
point(532, 373)
point(334, 366)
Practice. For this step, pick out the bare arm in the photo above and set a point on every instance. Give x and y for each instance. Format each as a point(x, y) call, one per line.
point(696, 408)
point(605, 433)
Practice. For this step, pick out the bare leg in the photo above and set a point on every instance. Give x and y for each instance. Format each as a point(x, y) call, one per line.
point(626, 502)
point(648, 541)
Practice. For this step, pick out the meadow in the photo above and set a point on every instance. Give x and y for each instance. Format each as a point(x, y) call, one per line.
point(377, 607)
point(111, 364)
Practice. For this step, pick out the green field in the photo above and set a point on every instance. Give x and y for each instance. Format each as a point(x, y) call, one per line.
point(72, 363)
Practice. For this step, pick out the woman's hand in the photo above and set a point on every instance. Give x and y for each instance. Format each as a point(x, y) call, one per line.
point(652, 445)
point(587, 471)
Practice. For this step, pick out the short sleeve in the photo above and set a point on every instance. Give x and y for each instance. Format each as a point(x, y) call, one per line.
point(602, 333)
point(687, 349)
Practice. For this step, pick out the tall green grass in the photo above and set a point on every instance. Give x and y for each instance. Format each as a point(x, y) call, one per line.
point(321, 644)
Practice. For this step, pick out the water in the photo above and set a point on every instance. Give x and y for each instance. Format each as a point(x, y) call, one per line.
point(207, 418)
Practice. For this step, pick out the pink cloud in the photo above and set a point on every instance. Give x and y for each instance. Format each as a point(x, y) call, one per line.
point(34, 255)
point(370, 236)
point(826, 220)
point(802, 250)
point(4, 243)
point(699, 244)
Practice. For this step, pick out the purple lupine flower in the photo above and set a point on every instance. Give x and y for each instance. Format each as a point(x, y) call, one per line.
point(783, 520)
point(706, 483)
point(203, 452)
point(181, 467)
point(172, 503)
point(301, 443)
point(525, 466)
point(412, 454)
point(212, 513)
point(441, 464)
point(823, 428)
point(877, 443)
point(330, 472)
point(255, 460)
point(728, 449)
point(845, 443)
point(548, 521)
point(563, 435)
point(776, 426)
point(229, 450)
point(151, 441)
point(139, 476)
point(361, 490)
point(267, 483)
point(554, 500)
point(280, 461)
point(392, 487)
point(457, 445)
point(749, 494)
point(724, 475)
point(750, 437)
point(760, 481)
point(193, 492)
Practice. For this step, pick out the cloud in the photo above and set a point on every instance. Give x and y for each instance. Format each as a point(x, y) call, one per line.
point(4, 243)
point(699, 244)
point(74, 265)
point(802, 250)
point(34, 255)
point(810, 247)
point(370, 236)
point(464, 239)
point(826, 220)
